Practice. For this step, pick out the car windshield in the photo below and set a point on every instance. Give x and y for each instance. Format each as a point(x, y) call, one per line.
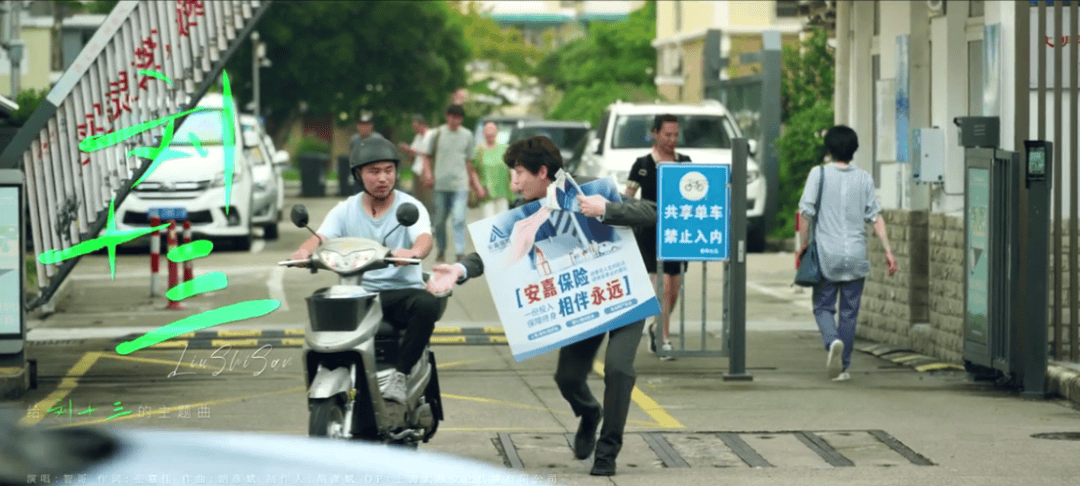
point(695, 131)
point(207, 126)
point(566, 138)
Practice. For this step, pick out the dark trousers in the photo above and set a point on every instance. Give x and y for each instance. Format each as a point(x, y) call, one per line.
point(575, 362)
point(849, 293)
point(416, 310)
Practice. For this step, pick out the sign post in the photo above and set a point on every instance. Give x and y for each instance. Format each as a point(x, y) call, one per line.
point(702, 217)
point(14, 373)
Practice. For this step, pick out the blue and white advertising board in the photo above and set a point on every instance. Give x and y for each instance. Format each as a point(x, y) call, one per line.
point(694, 206)
point(558, 277)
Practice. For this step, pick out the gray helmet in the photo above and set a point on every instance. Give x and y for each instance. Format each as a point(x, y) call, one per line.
point(370, 150)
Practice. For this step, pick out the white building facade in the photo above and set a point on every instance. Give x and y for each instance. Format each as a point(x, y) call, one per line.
point(942, 60)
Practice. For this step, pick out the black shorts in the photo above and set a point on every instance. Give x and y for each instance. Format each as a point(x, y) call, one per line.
point(646, 240)
point(670, 267)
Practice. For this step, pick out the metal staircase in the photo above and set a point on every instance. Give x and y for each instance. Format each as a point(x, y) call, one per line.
point(114, 84)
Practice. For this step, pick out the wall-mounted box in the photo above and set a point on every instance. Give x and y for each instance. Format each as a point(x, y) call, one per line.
point(928, 150)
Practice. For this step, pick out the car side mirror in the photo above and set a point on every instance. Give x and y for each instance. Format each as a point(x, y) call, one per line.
point(752, 147)
point(251, 139)
point(281, 159)
point(299, 215)
point(407, 214)
point(594, 146)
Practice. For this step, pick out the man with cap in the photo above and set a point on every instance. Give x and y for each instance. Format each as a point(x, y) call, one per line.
point(364, 129)
point(449, 171)
point(372, 214)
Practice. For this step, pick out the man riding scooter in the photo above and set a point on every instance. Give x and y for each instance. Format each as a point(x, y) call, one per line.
point(370, 214)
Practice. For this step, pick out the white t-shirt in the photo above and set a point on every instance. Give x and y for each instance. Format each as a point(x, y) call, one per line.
point(419, 145)
point(348, 218)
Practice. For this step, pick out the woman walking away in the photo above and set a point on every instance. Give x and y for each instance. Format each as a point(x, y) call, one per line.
point(848, 204)
point(493, 172)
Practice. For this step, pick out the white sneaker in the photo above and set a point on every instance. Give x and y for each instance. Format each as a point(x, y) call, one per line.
point(666, 347)
point(842, 377)
point(394, 389)
point(835, 359)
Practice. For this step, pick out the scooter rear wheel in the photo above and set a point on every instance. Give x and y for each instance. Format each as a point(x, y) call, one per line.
point(327, 419)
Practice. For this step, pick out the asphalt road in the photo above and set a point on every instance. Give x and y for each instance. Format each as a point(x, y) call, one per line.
point(790, 425)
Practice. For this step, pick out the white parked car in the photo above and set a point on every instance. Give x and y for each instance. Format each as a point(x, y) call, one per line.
point(269, 187)
point(705, 134)
point(192, 187)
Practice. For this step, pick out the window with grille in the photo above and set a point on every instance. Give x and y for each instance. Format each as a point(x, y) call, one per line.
point(787, 8)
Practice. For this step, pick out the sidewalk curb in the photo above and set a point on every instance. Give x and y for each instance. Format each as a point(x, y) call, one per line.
point(907, 357)
point(1063, 381)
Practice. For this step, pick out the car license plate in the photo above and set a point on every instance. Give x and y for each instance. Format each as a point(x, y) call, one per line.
point(169, 213)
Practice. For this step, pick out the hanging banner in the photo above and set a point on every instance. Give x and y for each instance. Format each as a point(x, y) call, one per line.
point(558, 277)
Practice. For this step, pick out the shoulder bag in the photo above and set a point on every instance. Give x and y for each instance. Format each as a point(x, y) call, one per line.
point(809, 272)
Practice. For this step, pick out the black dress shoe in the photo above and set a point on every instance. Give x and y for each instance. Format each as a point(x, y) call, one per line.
point(585, 439)
point(603, 467)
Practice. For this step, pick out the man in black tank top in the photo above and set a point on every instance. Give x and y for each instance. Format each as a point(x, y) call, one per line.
point(642, 176)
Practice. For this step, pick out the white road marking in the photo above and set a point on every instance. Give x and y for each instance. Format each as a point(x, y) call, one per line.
point(277, 288)
point(801, 302)
point(258, 245)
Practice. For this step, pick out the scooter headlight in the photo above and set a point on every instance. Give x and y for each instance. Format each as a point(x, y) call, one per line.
point(347, 262)
point(358, 259)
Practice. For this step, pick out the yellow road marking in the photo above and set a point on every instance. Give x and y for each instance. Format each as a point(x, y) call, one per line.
point(452, 364)
point(493, 330)
point(938, 366)
point(908, 358)
point(67, 384)
point(648, 405)
point(239, 333)
point(217, 343)
point(186, 335)
point(447, 330)
point(292, 342)
point(448, 340)
point(294, 332)
point(179, 407)
point(497, 339)
point(12, 370)
point(151, 361)
point(169, 344)
point(529, 407)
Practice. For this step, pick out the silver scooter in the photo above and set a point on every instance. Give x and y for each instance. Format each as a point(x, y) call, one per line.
point(349, 350)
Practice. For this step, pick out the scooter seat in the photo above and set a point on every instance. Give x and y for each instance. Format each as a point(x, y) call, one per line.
point(387, 330)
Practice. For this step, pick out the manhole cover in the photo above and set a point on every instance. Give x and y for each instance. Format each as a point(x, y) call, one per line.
point(1058, 435)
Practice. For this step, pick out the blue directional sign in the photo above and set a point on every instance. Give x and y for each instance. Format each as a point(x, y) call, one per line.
point(694, 207)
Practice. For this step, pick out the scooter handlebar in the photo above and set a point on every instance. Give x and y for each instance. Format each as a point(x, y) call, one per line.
point(411, 261)
point(292, 263)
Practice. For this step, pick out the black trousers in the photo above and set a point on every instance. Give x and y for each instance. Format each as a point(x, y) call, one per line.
point(416, 310)
point(575, 362)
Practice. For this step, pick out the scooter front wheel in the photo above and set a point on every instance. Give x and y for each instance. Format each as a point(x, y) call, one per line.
point(327, 418)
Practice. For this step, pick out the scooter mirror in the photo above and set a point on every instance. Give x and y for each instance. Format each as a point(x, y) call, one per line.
point(299, 215)
point(407, 214)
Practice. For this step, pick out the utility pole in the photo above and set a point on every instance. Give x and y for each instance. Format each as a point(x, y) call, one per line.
point(258, 52)
point(14, 45)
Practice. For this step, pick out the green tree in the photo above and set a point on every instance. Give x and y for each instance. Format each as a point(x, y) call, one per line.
point(506, 52)
point(614, 61)
point(806, 91)
point(392, 57)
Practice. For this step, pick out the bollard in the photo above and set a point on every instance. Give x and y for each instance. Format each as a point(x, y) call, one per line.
point(187, 241)
point(173, 275)
point(155, 258)
point(798, 245)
